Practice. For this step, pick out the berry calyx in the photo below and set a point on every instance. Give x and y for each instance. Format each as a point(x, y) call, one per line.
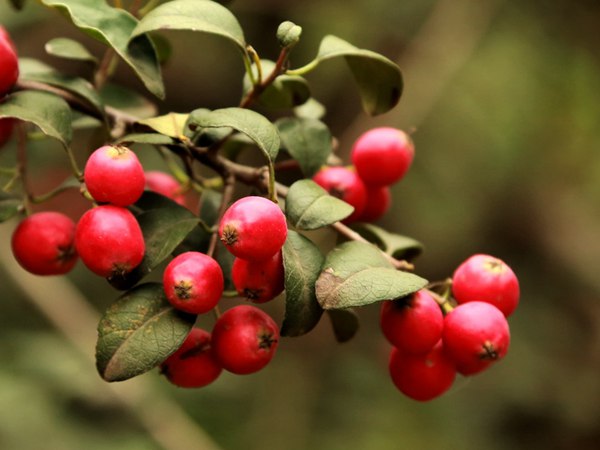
point(113, 174)
point(43, 243)
point(164, 184)
point(382, 156)
point(244, 339)
point(258, 281)
point(9, 63)
point(413, 324)
point(109, 241)
point(193, 282)
point(487, 279)
point(193, 365)
point(345, 184)
point(422, 377)
point(475, 335)
point(379, 200)
point(253, 228)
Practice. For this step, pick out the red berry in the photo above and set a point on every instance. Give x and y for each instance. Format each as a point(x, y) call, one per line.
point(382, 156)
point(193, 365)
point(9, 63)
point(113, 174)
point(193, 282)
point(6, 128)
point(253, 228)
point(258, 281)
point(414, 323)
point(379, 200)
point(109, 240)
point(486, 279)
point(43, 243)
point(244, 339)
point(166, 185)
point(422, 377)
point(343, 183)
point(475, 335)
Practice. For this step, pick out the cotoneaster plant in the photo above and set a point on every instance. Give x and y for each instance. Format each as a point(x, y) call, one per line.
point(250, 238)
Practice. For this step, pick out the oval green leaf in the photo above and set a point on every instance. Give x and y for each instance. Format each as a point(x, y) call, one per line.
point(311, 109)
point(302, 262)
point(69, 49)
point(51, 114)
point(308, 141)
point(396, 245)
point(145, 138)
point(172, 124)
point(344, 323)
point(113, 27)
point(138, 332)
point(254, 125)
point(379, 79)
point(127, 101)
point(308, 206)
point(193, 15)
point(357, 274)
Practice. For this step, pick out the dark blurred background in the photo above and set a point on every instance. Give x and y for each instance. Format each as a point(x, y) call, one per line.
point(503, 97)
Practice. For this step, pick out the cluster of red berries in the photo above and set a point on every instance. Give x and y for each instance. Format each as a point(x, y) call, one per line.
point(380, 158)
point(9, 73)
point(430, 348)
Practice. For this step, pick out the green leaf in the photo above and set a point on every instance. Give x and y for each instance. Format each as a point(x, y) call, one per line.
point(138, 332)
point(164, 227)
point(302, 262)
point(396, 245)
point(286, 91)
point(379, 79)
point(344, 322)
point(311, 109)
point(145, 138)
point(69, 49)
point(9, 206)
point(127, 101)
point(172, 124)
point(34, 70)
point(203, 16)
point(252, 124)
point(49, 113)
point(357, 274)
point(308, 141)
point(113, 27)
point(308, 206)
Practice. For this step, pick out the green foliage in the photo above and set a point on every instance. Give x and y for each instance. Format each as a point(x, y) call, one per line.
point(9, 206)
point(308, 141)
point(69, 49)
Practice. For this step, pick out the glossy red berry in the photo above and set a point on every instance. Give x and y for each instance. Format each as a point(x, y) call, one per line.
point(253, 228)
point(486, 279)
point(379, 200)
point(109, 240)
point(193, 365)
point(382, 156)
point(244, 339)
point(344, 183)
point(475, 335)
point(193, 282)
point(114, 174)
point(43, 243)
point(414, 323)
point(6, 128)
point(165, 184)
point(9, 63)
point(258, 281)
point(422, 377)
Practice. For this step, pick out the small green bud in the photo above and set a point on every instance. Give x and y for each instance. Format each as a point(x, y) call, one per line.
point(288, 34)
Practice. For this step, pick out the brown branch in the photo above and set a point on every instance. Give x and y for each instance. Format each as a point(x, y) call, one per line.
point(258, 89)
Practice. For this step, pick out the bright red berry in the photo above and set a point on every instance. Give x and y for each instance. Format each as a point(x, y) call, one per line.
point(414, 323)
point(486, 279)
point(109, 240)
point(379, 200)
point(475, 335)
point(6, 128)
point(244, 339)
point(382, 156)
point(345, 184)
point(193, 365)
point(114, 174)
point(253, 228)
point(193, 282)
point(258, 281)
point(9, 63)
point(422, 377)
point(166, 185)
point(43, 243)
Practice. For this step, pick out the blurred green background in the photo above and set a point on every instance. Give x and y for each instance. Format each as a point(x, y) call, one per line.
point(504, 101)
